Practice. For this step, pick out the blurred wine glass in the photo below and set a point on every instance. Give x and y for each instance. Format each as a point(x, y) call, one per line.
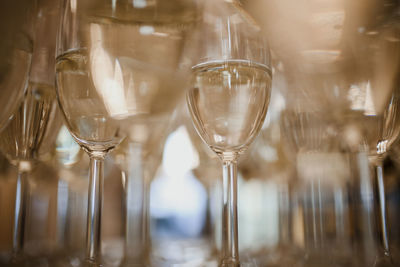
point(374, 104)
point(118, 63)
point(32, 123)
point(208, 172)
point(15, 52)
point(267, 164)
point(71, 163)
point(310, 139)
point(139, 157)
point(354, 55)
point(228, 99)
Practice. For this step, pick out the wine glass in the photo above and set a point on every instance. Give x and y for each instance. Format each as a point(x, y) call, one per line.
point(266, 160)
point(71, 162)
point(366, 124)
point(228, 99)
point(139, 156)
point(22, 138)
point(118, 63)
point(16, 53)
point(322, 168)
point(374, 108)
point(361, 48)
point(209, 174)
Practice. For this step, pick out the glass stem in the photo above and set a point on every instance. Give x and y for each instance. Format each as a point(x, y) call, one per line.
point(382, 207)
point(230, 250)
point(21, 197)
point(137, 187)
point(95, 203)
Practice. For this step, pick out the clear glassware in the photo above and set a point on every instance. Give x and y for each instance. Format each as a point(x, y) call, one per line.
point(138, 157)
point(44, 202)
point(208, 172)
point(375, 101)
point(22, 138)
point(16, 53)
point(7, 195)
point(310, 140)
point(118, 63)
point(229, 98)
point(355, 55)
point(311, 128)
point(367, 241)
point(267, 163)
point(71, 163)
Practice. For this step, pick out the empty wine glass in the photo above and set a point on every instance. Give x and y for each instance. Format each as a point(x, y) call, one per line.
point(374, 107)
point(267, 162)
point(21, 140)
point(356, 56)
point(322, 171)
point(228, 99)
point(118, 63)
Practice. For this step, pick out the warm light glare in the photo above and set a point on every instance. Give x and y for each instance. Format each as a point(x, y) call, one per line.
point(361, 98)
point(107, 77)
point(179, 154)
point(176, 194)
point(139, 3)
point(66, 147)
point(73, 6)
